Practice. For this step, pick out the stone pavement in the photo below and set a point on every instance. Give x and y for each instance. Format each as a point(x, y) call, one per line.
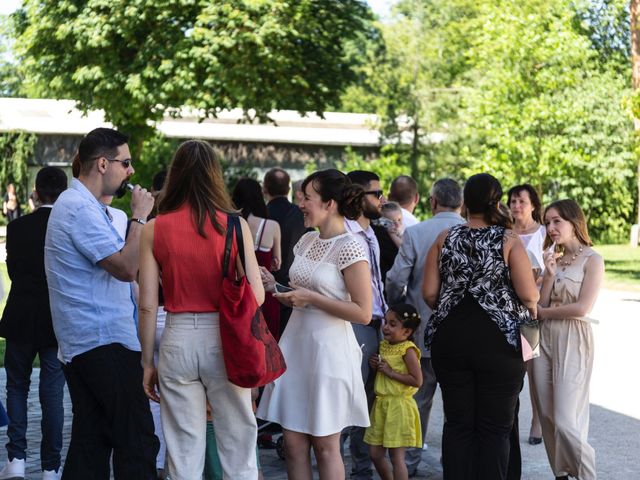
point(615, 408)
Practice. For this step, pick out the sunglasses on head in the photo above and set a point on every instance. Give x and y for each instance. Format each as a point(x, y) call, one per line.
point(376, 193)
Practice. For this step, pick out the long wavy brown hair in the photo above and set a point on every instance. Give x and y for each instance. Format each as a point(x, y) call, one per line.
point(195, 178)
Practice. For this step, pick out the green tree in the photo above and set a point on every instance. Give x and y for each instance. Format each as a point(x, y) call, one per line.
point(16, 150)
point(546, 109)
point(10, 80)
point(533, 91)
point(413, 80)
point(139, 59)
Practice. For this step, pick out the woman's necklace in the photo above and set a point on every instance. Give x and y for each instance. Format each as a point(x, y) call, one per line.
point(566, 263)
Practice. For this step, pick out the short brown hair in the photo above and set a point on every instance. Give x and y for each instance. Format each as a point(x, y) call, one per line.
point(571, 212)
point(276, 182)
point(403, 190)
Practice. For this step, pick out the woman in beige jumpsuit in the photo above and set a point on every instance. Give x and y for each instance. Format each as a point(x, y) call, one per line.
point(563, 371)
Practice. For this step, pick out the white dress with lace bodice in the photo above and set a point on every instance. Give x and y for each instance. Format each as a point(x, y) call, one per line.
point(321, 392)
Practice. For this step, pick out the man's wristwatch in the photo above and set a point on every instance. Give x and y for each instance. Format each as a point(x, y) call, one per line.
point(139, 220)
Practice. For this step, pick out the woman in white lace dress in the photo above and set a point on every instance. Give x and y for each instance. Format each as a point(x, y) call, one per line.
point(322, 392)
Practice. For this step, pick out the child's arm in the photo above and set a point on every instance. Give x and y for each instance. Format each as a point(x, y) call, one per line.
point(413, 378)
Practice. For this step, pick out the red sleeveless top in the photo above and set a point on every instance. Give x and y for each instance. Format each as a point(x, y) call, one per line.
point(191, 265)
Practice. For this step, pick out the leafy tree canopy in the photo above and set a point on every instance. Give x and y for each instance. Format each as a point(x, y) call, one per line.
point(534, 92)
point(138, 59)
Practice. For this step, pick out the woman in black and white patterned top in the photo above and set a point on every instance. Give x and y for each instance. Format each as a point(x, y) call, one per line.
point(478, 281)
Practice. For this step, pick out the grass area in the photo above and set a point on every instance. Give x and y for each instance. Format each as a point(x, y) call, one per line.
point(622, 266)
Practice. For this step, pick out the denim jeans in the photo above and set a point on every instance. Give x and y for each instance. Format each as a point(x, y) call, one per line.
point(18, 361)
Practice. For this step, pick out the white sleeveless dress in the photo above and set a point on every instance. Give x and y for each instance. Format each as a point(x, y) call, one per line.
point(321, 392)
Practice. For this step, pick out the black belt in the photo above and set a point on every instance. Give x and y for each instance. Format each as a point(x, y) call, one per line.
point(376, 322)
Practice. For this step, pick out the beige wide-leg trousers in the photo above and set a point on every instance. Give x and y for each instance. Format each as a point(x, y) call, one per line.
point(562, 375)
point(191, 371)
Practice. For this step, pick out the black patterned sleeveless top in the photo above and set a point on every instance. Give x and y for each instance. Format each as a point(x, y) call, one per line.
point(472, 261)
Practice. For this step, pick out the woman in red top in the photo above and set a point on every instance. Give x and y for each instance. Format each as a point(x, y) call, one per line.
point(184, 245)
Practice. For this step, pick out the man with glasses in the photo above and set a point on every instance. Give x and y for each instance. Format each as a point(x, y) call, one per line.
point(89, 267)
point(368, 336)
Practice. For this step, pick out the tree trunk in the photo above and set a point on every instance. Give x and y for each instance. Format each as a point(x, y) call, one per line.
point(415, 145)
point(635, 59)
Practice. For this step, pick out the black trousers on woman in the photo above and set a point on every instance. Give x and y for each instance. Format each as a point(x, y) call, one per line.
point(480, 376)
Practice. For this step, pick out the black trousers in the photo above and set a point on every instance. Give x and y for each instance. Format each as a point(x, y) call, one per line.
point(480, 375)
point(111, 415)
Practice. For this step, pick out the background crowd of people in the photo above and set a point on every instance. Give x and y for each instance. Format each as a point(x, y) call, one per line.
point(372, 308)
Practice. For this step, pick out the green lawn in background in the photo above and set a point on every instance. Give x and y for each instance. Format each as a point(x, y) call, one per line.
point(622, 266)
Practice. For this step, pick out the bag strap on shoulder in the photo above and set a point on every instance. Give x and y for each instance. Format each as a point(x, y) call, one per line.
point(240, 242)
point(233, 224)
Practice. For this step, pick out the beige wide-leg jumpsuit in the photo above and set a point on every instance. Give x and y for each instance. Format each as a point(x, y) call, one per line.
point(562, 375)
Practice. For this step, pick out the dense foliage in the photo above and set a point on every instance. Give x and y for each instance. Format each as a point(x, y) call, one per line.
point(140, 59)
point(534, 91)
point(16, 150)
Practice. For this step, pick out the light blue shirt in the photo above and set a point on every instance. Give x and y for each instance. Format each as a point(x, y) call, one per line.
point(89, 307)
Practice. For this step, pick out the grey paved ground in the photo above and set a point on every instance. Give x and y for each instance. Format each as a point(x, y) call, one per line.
point(615, 410)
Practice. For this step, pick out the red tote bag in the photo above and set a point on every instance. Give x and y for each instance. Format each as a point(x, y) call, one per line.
point(251, 354)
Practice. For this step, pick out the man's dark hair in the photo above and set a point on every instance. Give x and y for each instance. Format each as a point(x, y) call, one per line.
point(276, 182)
point(158, 180)
point(50, 183)
point(403, 189)
point(447, 193)
point(97, 143)
point(362, 177)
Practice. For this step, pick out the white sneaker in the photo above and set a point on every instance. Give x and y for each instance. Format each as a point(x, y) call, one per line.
point(13, 470)
point(51, 474)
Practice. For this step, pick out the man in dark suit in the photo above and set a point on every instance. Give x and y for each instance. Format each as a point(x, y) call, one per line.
point(26, 325)
point(276, 188)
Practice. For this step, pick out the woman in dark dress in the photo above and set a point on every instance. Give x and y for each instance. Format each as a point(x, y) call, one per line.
point(479, 283)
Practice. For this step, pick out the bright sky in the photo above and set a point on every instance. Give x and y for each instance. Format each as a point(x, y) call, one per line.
point(9, 6)
point(381, 7)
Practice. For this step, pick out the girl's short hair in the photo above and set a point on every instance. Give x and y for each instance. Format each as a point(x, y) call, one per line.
point(571, 212)
point(408, 316)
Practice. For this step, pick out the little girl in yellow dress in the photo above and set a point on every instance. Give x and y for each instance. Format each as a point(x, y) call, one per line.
point(395, 421)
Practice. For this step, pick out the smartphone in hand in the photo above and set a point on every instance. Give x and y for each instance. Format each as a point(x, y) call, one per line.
point(282, 288)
